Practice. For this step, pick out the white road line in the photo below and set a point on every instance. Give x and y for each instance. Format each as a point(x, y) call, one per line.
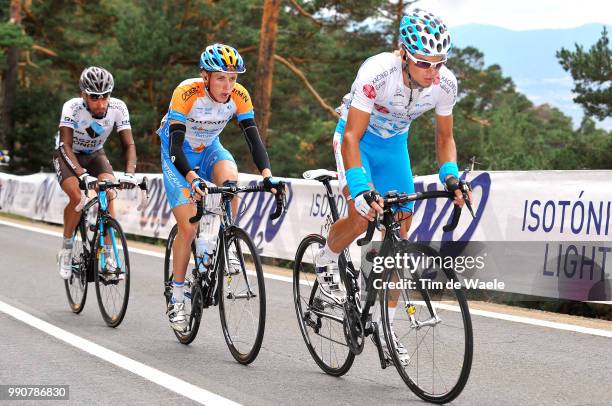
point(154, 375)
point(483, 313)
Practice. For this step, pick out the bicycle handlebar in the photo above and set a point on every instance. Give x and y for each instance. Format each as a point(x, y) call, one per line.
point(397, 199)
point(232, 190)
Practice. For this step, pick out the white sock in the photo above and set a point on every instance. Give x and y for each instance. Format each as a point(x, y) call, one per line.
point(392, 314)
point(178, 292)
point(327, 255)
point(376, 315)
point(67, 243)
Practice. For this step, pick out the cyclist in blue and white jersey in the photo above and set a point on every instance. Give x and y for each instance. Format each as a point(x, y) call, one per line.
point(370, 142)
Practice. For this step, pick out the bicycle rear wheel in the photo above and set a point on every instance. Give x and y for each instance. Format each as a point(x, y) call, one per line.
point(242, 293)
point(112, 277)
point(320, 319)
point(76, 286)
point(193, 296)
point(432, 322)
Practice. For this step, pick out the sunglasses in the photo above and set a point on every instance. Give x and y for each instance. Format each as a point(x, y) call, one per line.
point(425, 64)
point(99, 96)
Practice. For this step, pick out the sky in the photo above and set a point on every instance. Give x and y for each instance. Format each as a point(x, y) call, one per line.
point(521, 15)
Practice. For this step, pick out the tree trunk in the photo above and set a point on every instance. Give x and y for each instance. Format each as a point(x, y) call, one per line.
point(399, 13)
point(10, 83)
point(265, 65)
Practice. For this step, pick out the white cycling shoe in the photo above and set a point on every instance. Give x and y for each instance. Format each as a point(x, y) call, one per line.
point(400, 350)
point(328, 276)
point(177, 316)
point(64, 262)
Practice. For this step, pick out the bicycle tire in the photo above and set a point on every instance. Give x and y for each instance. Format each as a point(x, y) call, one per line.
point(230, 292)
point(425, 297)
point(77, 283)
point(304, 279)
point(196, 307)
point(111, 282)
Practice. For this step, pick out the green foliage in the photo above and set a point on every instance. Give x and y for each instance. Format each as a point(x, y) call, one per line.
point(151, 46)
point(592, 73)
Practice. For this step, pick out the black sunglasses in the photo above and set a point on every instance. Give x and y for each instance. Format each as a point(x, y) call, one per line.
point(99, 96)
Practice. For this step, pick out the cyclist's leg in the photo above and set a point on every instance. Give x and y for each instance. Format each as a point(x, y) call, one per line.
point(178, 193)
point(218, 166)
point(387, 175)
point(70, 185)
point(344, 231)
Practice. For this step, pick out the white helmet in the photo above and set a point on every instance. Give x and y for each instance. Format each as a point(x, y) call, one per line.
point(96, 80)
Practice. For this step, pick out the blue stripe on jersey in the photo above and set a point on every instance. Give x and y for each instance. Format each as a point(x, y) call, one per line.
point(244, 116)
point(178, 116)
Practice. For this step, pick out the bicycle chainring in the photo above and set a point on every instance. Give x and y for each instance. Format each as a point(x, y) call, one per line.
point(353, 328)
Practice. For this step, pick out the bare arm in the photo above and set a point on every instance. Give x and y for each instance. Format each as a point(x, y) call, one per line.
point(356, 125)
point(447, 150)
point(129, 150)
point(66, 138)
point(445, 143)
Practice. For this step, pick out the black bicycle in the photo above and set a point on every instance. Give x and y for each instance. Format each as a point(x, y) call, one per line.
point(233, 280)
point(98, 230)
point(432, 320)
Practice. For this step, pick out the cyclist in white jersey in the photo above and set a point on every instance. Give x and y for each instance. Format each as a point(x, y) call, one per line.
point(85, 124)
point(370, 143)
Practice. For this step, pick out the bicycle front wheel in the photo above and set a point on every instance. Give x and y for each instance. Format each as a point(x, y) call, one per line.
point(432, 323)
point(112, 273)
point(242, 293)
point(320, 319)
point(76, 286)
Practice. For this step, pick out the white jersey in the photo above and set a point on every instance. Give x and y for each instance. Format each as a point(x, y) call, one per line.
point(379, 90)
point(89, 134)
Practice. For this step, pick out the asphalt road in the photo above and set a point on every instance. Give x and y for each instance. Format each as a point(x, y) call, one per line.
point(514, 363)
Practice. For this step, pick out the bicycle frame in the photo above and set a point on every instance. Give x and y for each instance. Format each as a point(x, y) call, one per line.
point(351, 274)
point(209, 279)
point(99, 231)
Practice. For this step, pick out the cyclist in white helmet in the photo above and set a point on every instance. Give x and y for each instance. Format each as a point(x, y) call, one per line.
point(85, 124)
point(370, 142)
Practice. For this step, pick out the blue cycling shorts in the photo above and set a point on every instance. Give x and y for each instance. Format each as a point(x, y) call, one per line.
point(177, 187)
point(385, 161)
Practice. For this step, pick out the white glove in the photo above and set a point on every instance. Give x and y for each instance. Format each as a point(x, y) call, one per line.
point(128, 181)
point(86, 181)
point(363, 202)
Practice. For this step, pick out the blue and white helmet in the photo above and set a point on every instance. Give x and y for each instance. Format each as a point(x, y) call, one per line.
point(221, 58)
point(423, 33)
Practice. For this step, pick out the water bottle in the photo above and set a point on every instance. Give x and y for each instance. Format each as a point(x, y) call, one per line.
point(205, 248)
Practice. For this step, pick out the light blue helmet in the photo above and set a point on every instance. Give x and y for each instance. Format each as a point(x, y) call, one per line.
point(423, 33)
point(221, 58)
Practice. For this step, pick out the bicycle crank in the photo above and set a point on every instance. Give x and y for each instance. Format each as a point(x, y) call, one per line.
point(353, 328)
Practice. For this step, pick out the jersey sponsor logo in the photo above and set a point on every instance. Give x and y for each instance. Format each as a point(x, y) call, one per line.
point(209, 122)
point(369, 91)
point(381, 109)
point(241, 94)
point(381, 77)
point(448, 86)
point(188, 93)
point(124, 123)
